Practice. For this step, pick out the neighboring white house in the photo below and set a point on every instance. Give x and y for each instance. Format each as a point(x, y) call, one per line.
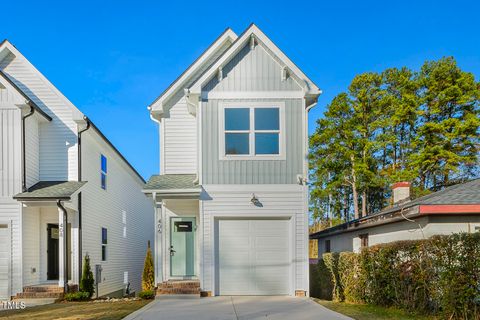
point(452, 210)
point(61, 199)
point(232, 213)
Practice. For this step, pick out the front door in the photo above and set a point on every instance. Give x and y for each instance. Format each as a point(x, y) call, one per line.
point(52, 252)
point(182, 247)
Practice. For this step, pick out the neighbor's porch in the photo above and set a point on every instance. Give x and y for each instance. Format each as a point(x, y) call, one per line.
point(50, 234)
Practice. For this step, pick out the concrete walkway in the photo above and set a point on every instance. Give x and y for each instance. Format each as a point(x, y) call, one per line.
point(233, 308)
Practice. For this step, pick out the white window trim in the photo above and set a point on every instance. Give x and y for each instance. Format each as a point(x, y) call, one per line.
point(251, 105)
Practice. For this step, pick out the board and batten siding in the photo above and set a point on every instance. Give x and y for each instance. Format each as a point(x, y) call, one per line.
point(58, 139)
point(180, 141)
point(32, 158)
point(11, 184)
point(216, 171)
point(122, 199)
point(252, 70)
point(278, 201)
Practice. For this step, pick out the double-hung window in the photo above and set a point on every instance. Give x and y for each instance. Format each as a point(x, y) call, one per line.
point(251, 131)
point(103, 170)
point(104, 244)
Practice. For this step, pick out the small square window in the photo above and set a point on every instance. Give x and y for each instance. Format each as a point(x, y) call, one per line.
point(237, 119)
point(363, 240)
point(266, 143)
point(267, 119)
point(236, 143)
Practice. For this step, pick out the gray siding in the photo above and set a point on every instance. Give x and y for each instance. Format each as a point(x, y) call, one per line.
point(252, 70)
point(216, 171)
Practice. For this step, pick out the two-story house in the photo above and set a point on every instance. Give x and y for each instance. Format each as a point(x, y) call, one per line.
point(231, 197)
point(65, 192)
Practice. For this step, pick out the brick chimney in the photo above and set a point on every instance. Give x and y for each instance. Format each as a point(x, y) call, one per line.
point(401, 191)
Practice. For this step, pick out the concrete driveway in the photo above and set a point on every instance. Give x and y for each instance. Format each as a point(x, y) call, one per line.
point(233, 308)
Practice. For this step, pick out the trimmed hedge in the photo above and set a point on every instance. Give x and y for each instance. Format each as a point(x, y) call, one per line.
point(77, 296)
point(440, 275)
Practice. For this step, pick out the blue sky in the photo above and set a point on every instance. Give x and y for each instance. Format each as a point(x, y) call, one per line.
point(112, 58)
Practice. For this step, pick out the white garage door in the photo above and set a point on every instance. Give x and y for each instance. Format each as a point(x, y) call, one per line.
point(4, 261)
point(253, 257)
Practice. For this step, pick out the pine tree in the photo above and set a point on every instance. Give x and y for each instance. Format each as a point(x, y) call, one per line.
point(87, 281)
point(148, 276)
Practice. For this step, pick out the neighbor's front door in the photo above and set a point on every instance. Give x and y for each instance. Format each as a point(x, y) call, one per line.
point(52, 252)
point(182, 247)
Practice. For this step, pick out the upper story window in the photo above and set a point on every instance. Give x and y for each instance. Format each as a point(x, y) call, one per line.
point(252, 131)
point(103, 170)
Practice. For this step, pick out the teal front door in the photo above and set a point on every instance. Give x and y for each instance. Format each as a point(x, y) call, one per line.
point(182, 247)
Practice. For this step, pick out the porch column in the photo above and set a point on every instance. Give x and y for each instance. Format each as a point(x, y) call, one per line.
point(61, 247)
point(158, 242)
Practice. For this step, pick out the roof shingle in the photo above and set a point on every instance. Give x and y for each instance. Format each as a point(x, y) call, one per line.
point(43, 190)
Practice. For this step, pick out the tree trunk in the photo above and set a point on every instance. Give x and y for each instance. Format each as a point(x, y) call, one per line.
point(364, 204)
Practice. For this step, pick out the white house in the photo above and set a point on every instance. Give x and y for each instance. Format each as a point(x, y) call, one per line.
point(231, 197)
point(452, 210)
point(65, 192)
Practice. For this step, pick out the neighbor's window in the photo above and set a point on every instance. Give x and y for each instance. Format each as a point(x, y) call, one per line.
point(103, 169)
point(327, 246)
point(104, 244)
point(252, 131)
point(363, 240)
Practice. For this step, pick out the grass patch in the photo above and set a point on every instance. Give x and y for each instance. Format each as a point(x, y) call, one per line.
point(370, 312)
point(76, 310)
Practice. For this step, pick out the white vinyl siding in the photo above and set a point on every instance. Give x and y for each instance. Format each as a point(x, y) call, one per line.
point(105, 208)
point(5, 237)
point(277, 202)
point(58, 152)
point(179, 141)
point(31, 246)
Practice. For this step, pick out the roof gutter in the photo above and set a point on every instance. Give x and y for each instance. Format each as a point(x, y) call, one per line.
point(65, 242)
point(79, 203)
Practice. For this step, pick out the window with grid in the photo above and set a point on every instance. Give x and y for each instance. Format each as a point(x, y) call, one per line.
point(252, 131)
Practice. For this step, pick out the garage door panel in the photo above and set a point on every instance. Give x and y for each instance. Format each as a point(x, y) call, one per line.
point(254, 257)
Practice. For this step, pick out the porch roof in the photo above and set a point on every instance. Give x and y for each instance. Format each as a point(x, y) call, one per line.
point(50, 190)
point(171, 183)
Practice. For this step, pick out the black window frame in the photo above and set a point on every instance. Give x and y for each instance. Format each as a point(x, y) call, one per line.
point(104, 241)
point(328, 246)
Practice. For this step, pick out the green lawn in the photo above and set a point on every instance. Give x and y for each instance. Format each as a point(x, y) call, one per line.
point(76, 310)
point(369, 312)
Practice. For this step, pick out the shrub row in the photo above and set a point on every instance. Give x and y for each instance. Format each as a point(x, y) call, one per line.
point(440, 275)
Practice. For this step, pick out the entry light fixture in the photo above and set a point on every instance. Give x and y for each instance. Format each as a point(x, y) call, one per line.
point(255, 201)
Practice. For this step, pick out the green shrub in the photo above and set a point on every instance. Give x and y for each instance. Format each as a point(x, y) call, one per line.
point(87, 281)
point(321, 285)
point(77, 296)
point(440, 275)
point(148, 276)
point(147, 294)
point(351, 277)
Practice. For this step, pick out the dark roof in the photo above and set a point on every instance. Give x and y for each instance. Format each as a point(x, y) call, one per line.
point(459, 194)
point(172, 182)
point(51, 190)
point(30, 101)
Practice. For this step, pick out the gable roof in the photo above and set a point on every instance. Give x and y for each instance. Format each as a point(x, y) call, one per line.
point(227, 36)
point(465, 196)
point(5, 48)
point(253, 31)
point(28, 101)
point(50, 190)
